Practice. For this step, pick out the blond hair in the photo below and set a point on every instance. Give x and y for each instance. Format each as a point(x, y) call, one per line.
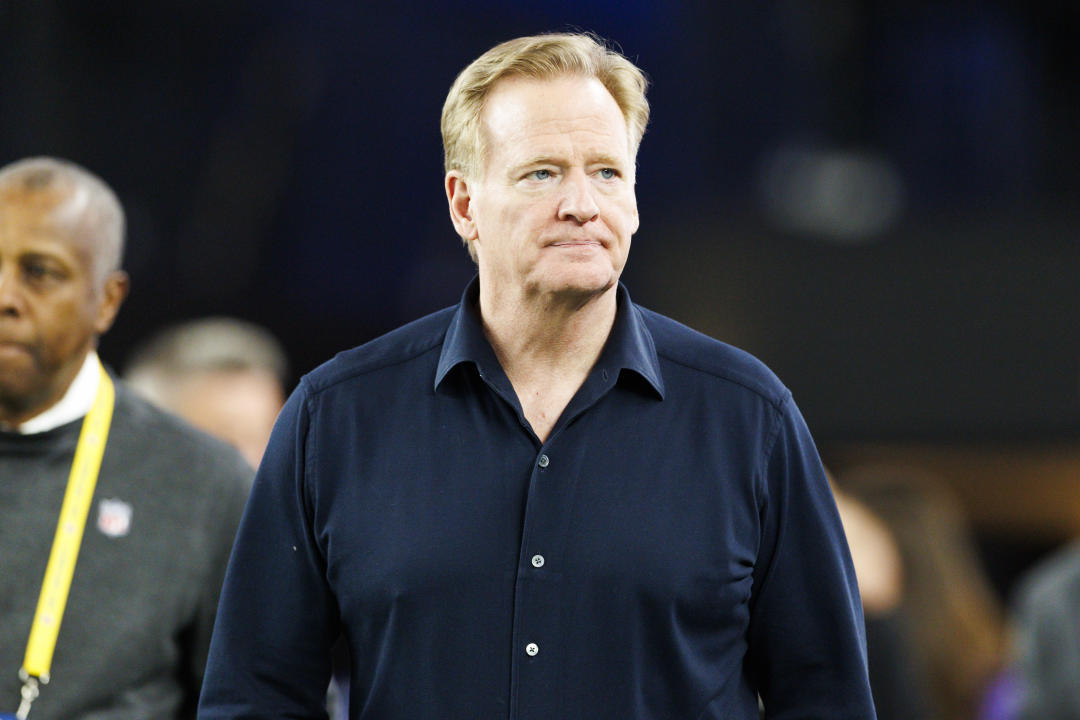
point(537, 57)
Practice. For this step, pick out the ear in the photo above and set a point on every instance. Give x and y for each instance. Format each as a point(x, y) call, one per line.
point(113, 293)
point(461, 208)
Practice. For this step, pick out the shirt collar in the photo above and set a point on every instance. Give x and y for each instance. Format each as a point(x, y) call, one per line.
point(75, 403)
point(629, 347)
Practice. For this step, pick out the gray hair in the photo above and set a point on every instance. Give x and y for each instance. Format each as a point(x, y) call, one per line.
point(90, 206)
point(202, 346)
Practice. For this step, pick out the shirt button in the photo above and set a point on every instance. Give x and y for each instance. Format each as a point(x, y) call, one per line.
point(538, 561)
point(543, 461)
point(532, 649)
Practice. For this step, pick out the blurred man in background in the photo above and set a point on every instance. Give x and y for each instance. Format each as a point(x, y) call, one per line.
point(1047, 639)
point(223, 375)
point(113, 621)
point(546, 502)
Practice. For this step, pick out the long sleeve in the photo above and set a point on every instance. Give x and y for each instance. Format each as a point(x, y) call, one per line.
point(807, 647)
point(277, 619)
point(221, 532)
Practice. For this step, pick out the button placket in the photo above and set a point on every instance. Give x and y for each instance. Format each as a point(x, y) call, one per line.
point(542, 462)
point(537, 561)
point(536, 599)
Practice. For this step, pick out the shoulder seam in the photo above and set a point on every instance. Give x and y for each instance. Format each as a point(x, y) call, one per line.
point(776, 402)
point(774, 432)
point(313, 391)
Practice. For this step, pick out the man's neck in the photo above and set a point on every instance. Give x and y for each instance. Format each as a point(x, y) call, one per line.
point(547, 346)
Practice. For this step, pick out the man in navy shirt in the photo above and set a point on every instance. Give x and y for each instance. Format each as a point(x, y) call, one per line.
point(546, 502)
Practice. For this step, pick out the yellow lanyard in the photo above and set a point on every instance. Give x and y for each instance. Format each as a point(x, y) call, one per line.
point(65, 548)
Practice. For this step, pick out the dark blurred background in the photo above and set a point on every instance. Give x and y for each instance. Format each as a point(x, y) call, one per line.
point(877, 198)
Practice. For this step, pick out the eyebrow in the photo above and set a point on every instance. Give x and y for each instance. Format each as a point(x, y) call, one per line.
point(600, 159)
point(535, 160)
point(44, 255)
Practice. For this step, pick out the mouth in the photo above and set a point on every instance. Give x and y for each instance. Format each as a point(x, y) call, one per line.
point(578, 243)
point(10, 347)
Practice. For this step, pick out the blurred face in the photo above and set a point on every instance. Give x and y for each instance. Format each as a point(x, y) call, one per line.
point(238, 406)
point(554, 209)
point(51, 310)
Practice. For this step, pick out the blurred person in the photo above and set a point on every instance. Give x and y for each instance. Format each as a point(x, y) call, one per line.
point(898, 678)
point(955, 619)
point(106, 613)
point(1046, 639)
point(546, 501)
point(223, 375)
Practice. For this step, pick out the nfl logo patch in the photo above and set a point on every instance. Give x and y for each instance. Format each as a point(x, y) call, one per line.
point(114, 518)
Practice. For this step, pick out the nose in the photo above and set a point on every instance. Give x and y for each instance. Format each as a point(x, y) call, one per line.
point(11, 299)
point(577, 202)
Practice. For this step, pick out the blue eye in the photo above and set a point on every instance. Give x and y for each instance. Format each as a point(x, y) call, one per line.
point(540, 174)
point(608, 173)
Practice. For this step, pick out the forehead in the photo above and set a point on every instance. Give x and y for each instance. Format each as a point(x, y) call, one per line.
point(569, 113)
point(44, 218)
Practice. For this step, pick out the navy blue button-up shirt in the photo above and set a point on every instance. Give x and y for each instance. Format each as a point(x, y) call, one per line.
point(671, 551)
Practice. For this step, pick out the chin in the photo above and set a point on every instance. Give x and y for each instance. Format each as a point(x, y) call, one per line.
point(16, 370)
point(15, 391)
point(583, 283)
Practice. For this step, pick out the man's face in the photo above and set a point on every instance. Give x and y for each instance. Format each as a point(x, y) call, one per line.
point(554, 209)
point(50, 309)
